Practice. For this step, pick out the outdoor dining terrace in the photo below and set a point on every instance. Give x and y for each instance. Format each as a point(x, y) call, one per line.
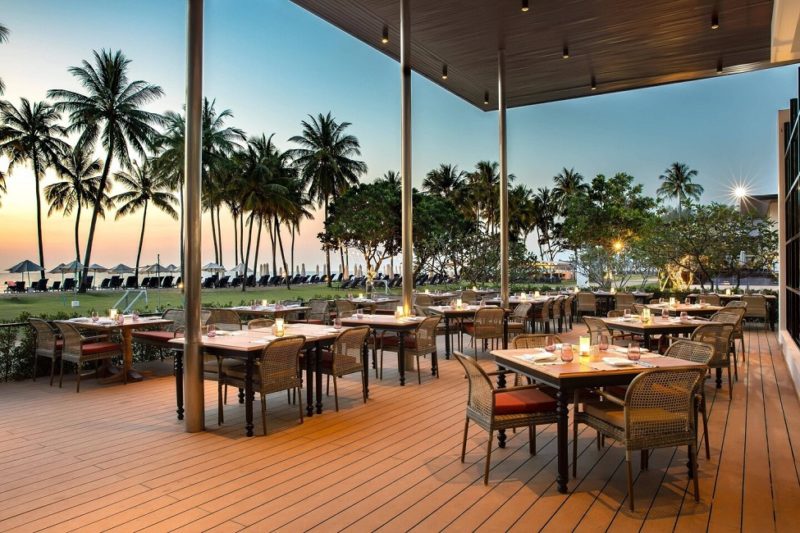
point(114, 457)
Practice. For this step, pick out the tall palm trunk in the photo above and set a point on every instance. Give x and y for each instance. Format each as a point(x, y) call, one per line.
point(283, 256)
point(327, 250)
point(183, 273)
point(214, 236)
point(292, 250)
point(258, 244)
point(274, 250)
point(36, 174)
point(97, 203)
point(247, 257)
point(241, 237)
point(77, 231)
point(235, 239)
point(219, 236)
point(141, 241)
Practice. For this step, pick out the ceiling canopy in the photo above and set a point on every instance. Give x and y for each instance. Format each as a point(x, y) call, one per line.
point(561, 49)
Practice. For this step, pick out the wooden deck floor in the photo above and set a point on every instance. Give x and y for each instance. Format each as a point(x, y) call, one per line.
point(115, 458)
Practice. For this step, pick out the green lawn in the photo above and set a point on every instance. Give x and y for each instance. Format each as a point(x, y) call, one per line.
point(49, 303)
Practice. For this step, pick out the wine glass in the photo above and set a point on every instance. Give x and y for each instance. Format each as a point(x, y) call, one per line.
point(603, 342)
point(95, 316)
point(634, 352)
point(337, 324)
point(684, 316)
point(626, 313)
point(665, 313)
point(688, 301)
point(135, 316)
point(212, 331)
point(566, 353)
point(359, 314)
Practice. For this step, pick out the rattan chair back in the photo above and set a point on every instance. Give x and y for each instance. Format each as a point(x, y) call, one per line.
point(623, 300)
point(557, 307)
point(260, 323)
point(469, 296)
point(279, 366)
point(534, 340)
point(596, 328)
point(659, 408)
point(347, 350)
point(586, 301)
point(46, 338)
point(423, 300)
point(345, 309)
point(736, 303)
point(756, 306)
point(717, 335)
point(710, 299)
point(426, 335)
point(488, 323)
point(319, 310)
point(225, 319)
point(614, 313)
point(694, 351)
point(522, 311)
point(637, 309)
point(479, 395)
point(73, 340)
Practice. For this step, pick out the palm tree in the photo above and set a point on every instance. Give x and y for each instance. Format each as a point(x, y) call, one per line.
point(567, 184)
point(444, 181)
point(3, 38)
point(78, 188)
point(111, 110)
point(144, 187)
point(31, 134)
point(677, 183)
point(326, 159)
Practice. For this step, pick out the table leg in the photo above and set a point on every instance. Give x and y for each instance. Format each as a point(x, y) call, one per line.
point(309, 383)
point(446, 337)
point(178, 359)
point(365, 373)
point(318, 374)
point(127, 352)
point(719, 378)
point(501, 384)
point(248, 396)
point(505, 332)
point(434, 364)
point(562, 413)
point(401, 356)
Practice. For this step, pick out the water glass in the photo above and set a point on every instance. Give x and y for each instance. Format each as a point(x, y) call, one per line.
point(634, 352)
point(212, 331)
point(95, 316)
point(566, 353)
point(603, 342)
point(337, 323)
point(135, 316)
point(665, 313)
point(359, 314)
point(684, 316)
point(626, 313)
point(688, 301)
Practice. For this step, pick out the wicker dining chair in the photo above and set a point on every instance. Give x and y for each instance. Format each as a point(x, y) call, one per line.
point(520, 318)
point(534, 340)
point(345, 309)
point(423, 300)
point(319, 313)
point(557, 313)
point(736, 303)
point(469, 296)
point(756, 307)
point(260, 323)
point(277, 369)
point(615, 313)
point(696, 352)
point(658, 412)
point(419, 343)
point(637, 309)
point(495, 409)
point(488, 325)
point(48, 344)
point(586, 302)
point(623, 300)
point(569, 310)
point(345, 357)
point(541, 315)
point(735, 316)
point(710, 299)
point(77, 350)
point(717, 335)
point(225, 320)
point(597, 327)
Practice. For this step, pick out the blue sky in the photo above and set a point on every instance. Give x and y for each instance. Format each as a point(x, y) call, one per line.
point(273, 63)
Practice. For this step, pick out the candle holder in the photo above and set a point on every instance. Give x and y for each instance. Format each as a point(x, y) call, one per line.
point(672, 301)
point(613, 290)
point(536, 294)
point(263, 303)
point(459, 304)
point(278, 328)
point(646, 315)
point(398, 312)
point(112, 314)
point(584, 346)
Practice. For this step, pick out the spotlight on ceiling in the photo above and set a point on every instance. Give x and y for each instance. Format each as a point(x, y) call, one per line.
point(719, 66)
point(486, 98)
point(385, 35)
point(525, 7)
point(714, 20)
point(594, 84)
point(444, 72)
point(565, 52)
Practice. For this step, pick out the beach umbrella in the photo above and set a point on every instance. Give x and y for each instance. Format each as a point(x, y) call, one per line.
point(213, 267)
point(241, 268)
point(171, 268)
point(98, 268)
point(121, 269)
point(25, 266)
point(58, 270)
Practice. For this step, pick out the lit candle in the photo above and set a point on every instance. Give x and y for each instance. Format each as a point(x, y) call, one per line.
point(672, 301)
point(112, 314)
point(585, 345)
point(646, 314)
point(536, 294)
point(613, 290)
point(474, 288)
point(360, 295)
point(727, 292)
point(263, 303)
point(398, 312)
point(522, 296)
point(279, 327)
point(427, 291)
point(577, 290)
point(459, 303)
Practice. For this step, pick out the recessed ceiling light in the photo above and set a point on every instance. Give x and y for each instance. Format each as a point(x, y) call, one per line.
point(719, 66)
point(486, 98)
point(714, 20)
point(594, 84)
point(525, 6)
point(565, 52)
point(444, 71)
point(385, 35)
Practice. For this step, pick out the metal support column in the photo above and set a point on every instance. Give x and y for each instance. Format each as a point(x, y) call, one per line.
point(193, 375)
point(405, 155)
point(501, 114)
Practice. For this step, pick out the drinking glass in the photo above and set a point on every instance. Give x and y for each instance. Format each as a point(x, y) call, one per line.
point(95, 316)
point(603, 342)
point(634, 352)
point(212, 331)
point(566, 353)
point(684, 315)
point(337, 323)
point(665, 313)
point(135, 316)
point(626, 313)
point(359, 314)
point(688, 300)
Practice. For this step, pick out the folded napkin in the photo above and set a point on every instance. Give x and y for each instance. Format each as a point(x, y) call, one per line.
point(625, 350)
point(618, 361)
point(79, 319)
point(541, 357)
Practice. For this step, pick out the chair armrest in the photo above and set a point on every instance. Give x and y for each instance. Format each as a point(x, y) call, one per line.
point(611, 398)
point(519, 387)
point(500, 373)
point(94, 338)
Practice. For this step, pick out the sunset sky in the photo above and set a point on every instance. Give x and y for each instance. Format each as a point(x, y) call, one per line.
point(273, 63)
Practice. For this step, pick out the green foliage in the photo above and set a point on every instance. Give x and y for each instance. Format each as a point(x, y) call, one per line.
point(441, 231)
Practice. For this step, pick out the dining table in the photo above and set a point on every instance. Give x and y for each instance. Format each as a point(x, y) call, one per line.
point(371, 304)
point(655, 326)
point(772, 304)
point(450, 313)
point(389, 323)
point(582, 372)
point(690, 309)
point(271, 310)
point(247, 345)
point(126, 328)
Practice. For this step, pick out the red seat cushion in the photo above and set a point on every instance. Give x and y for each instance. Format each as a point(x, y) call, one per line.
point(101, 347)
point(393, 341)
point(523, 401)
point(59, 344)
point(156, 336)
